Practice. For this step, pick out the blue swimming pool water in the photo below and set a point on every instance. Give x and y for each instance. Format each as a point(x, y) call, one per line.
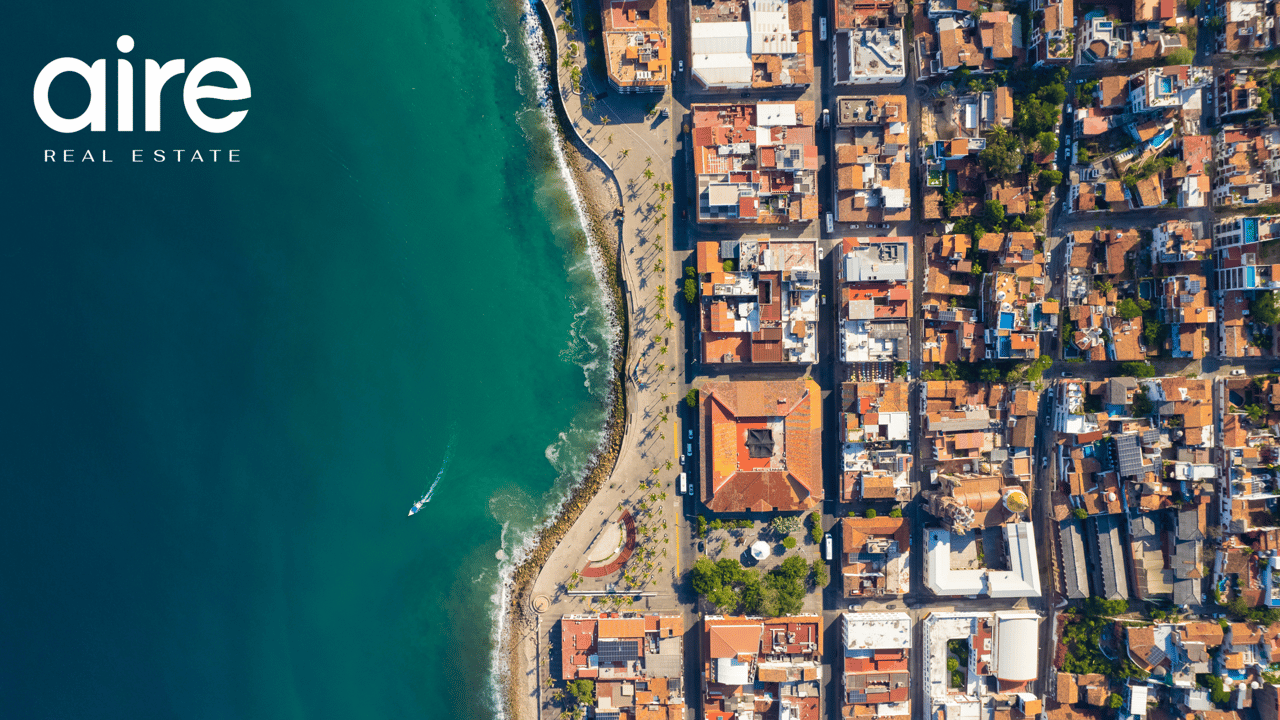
point(1035, 316)
point(1162, 138)
point(1003, 347)
point(1250, 230)
point(1006, 321)
point(1166, 85)
point(1250, 276)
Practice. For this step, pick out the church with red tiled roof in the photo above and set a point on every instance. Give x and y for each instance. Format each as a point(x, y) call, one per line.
point(762, 445)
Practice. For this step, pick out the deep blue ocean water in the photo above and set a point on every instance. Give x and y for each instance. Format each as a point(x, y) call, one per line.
point(223, 385)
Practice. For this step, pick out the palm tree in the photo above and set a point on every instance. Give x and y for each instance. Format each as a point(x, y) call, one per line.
point(668, 464)
point(669, 325)
point(664, 397)
point(626, 152)
point(662, 350)
point(661, 367)
point(648, 160)
point(605, 120)
point(648, 174)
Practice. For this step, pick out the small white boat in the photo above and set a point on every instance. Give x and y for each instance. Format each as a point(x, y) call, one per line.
point(418, 505)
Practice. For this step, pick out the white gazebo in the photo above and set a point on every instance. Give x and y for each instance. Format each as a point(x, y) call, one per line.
point(759, 550)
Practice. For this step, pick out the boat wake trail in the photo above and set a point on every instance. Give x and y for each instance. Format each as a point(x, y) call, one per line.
point(444, 465)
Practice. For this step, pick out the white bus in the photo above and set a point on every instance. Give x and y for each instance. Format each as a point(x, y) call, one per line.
point(827, 547)
point(684, 485)
point(822, 29)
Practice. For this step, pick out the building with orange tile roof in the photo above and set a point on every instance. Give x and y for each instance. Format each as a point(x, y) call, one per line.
point(1246, 165)
point(876, 679)
point(763, 311)
point(1147, 193)
point(637, 45)
point(1235, 92)
point(973, 431)
point(874, 302)
point(762, 444)
point(872, 174)
point(1175, 241)
point(754, 666)
point(752, 44)
point(1051, 36)
point(876, 557)
point(1171, 86)
point(755, 163)
point(875, 430)
point(1249, 27)
point(636, 662)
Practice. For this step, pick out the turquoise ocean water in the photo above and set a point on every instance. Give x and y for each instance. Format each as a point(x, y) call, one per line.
point(222, 386)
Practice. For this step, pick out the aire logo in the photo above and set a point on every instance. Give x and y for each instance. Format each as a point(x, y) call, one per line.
point(94, 116)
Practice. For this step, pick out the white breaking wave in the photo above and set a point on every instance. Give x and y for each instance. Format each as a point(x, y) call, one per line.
point(517, 543)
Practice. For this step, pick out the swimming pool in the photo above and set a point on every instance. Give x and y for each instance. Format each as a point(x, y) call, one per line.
point(1162, 138)
point(1166, 85)
point(1006, 321)
point(1250, 230)
point(1003, 347)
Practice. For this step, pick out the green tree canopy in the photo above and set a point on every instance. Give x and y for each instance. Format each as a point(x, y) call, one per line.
point(1053, 94)
point(584, 691)
point(1137, 370)
point(1048, 142)
point(1263, 308)
point(725, 600)
point(1181, 56)
point(1003, 155)
point(1050, 178)
point(993, 215)
point(1128, 309)
point(705, 576)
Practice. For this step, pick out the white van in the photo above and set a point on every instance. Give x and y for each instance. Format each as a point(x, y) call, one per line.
point(684, 484)
point(830, 224)
point(822, 29)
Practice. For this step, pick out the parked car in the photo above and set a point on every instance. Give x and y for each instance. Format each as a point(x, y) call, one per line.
point(820, 254)
point(1068, 374)
point(680, 65)
point(853, 227)
point(1048, 256)
point(682, 460)
point(1044, 464)
point(1237, 371)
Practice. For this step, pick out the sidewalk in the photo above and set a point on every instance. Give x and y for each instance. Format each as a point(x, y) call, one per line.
point(633, 154)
